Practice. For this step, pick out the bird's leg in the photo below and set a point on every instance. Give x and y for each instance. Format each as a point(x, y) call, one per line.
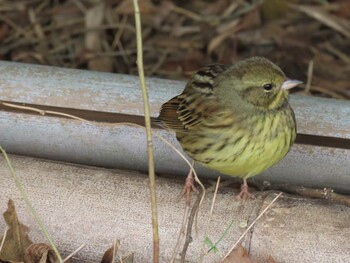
point(244, 194)
point(189, 185)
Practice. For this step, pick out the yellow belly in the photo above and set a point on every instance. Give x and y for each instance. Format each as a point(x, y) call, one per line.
point(242, 152)
point(254, 159)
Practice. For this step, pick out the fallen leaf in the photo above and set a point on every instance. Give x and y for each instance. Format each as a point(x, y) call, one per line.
point(238, 255)
point(17, 240)
point(4, 31)
point(271, 260)
point(324, 17)
point(94, 17)
point(128, 259)
point(41, 253)
point(344, 9)
point(108, 256)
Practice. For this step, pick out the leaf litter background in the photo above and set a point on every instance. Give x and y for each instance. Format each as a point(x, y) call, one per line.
point(179, 37)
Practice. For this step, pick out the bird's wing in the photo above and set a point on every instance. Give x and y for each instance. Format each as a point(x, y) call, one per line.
point(195, 104)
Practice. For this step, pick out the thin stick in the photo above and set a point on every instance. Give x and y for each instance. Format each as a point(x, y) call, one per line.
point(3, 239)
point(181, 234)
point(251, 225)
point(185, 159)
point(209, 218)
point(130, 124)
point(188, 238)
point(42, 112)
point(310, 70)
point(114, 249)
point(30, 206)
point(74, 252)
point(151, 171)
point(326, 193)
point(184, 12)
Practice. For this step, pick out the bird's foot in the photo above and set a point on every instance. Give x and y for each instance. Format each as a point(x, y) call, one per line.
point(244, 194)
point(189, 187)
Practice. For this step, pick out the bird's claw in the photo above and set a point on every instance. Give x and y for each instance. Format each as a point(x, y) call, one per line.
point(188, 188)
point(244, 194)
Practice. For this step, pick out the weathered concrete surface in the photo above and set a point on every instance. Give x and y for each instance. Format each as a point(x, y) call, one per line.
point(90, 205)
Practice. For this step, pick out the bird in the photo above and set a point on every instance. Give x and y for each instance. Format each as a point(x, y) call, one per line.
point(234, 119)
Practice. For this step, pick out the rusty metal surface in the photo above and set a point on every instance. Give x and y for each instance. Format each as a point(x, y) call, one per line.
point(106, 92)
point(108, 145)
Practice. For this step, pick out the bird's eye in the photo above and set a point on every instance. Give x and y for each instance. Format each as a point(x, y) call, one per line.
point(268, 87)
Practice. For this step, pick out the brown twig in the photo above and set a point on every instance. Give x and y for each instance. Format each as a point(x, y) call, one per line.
point(326, 193)
point(73, 253)
point(29, 204)
point(42, 112)
point(191, 218)
point(251, 225)
point(181, 234)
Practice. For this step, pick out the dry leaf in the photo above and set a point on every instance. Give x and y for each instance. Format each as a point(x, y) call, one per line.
point(128, 259)
point(273, 9)
point(238, 255)
point(40, 253)
point(4, 31)
point(344, 8)
point(17, 240)
point(271, 260)
point(93, 39)
point(77, 34)
point(218, 40)
point(324, 17)
point(108, 256)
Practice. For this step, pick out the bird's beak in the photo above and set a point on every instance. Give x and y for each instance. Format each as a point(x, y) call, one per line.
point(290, 83)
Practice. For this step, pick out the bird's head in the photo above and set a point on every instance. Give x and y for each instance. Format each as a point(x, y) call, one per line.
point(258, 82)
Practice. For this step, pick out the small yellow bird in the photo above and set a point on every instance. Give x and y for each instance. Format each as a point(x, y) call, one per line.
point(234, 119)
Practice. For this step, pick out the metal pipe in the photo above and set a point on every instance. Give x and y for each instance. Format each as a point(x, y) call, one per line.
point(107, 98)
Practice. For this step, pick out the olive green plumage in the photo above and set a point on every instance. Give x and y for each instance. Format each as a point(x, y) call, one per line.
point(234, 119)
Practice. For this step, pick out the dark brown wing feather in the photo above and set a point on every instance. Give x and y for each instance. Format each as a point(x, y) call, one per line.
point(196, 103)
point(168, 116)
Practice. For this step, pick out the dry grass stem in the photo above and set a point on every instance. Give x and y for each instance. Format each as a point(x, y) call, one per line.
point(209, 218)
point(151, 171)
point(42, 112)
point(74, 252)
point(323, 17)
point(251, 225)
point(326, 193)
point(181, 234)
point(310, 71)
point(191, 218)
point(187, 209)
point(30, 206)
point(3, 238)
